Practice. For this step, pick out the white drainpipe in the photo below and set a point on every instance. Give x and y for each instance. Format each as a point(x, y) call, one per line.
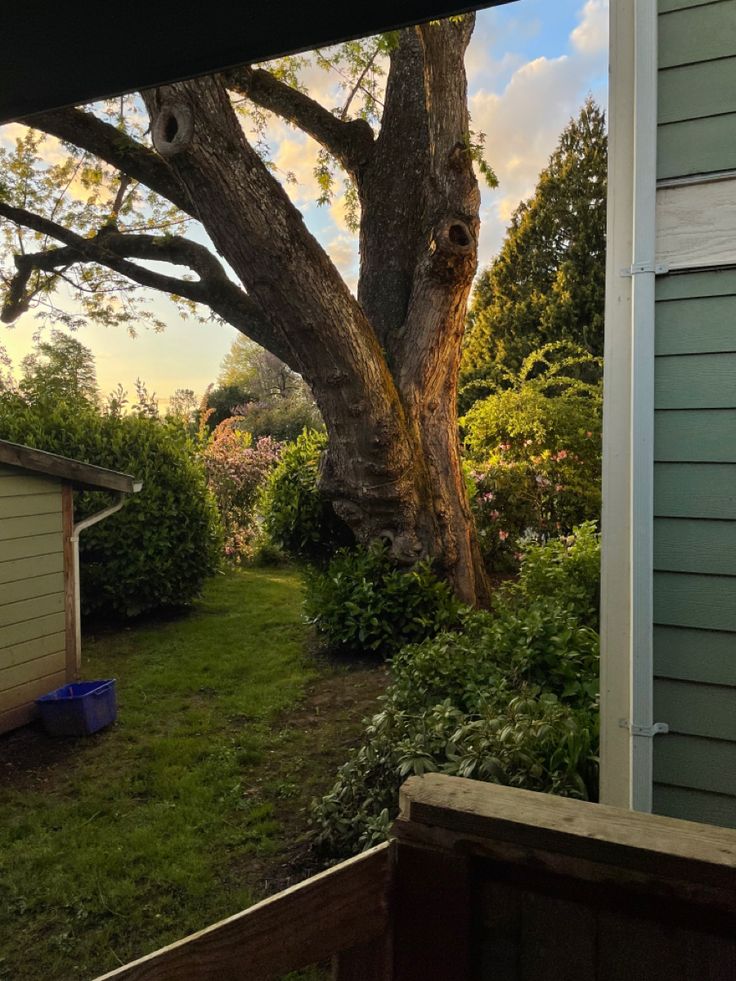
point(79, 527)
point(643, 271)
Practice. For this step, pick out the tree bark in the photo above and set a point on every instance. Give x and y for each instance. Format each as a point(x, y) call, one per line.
point(383, 370)
point(383, 367)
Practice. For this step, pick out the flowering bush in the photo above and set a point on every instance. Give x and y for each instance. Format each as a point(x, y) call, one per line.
point(237, 469)
point(535, 453)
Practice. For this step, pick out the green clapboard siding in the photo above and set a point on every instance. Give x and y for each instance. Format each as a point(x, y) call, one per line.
point(695, 435)
point(700, 325)
point(687, 490)
point(27, 568)
point(22, 505)
point(696, 709)
point(694, 91)
point(697, 33)
point(32, 649)
point(706, 602)
point(22, 589)
point(689, 286)
point(707, 656)
point(690, 545)
point(32, 524)
point(694, 556)
point(14, 482)
point(23, 548)
point(28, 671)
point(31, 609)
point(665, 6)
point(26, 630)
point(695, 381)
point(693, 761)
point(696, 146)
point(695, 805)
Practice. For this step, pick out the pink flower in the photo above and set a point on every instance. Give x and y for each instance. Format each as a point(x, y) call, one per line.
point(495, 515)
point(562, 455)
point(503, 535)
point(559, 487)
point(488, 496)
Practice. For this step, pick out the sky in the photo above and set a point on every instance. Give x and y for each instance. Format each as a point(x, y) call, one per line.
point(530, 66)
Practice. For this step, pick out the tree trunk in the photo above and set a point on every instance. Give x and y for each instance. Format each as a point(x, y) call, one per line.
point(383, 369)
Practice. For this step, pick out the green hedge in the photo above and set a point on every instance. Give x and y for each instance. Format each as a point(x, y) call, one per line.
point(158, 550)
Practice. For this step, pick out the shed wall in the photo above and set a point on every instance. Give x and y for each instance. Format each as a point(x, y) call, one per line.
point(695, 436)
point(32, 617)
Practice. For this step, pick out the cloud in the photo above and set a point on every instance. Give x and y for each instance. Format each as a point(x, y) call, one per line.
point(591, 35)
point(523, 122)
point(343, 250)
point(296, 154)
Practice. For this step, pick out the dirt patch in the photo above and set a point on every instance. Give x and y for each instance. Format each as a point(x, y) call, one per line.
point(29, 759)
point(310, 743)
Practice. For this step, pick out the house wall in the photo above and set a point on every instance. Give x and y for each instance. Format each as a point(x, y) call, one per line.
point(32, 609)
point(694, 565)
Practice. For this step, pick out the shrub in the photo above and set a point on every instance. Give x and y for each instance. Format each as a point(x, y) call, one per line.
point(237, 471)
point(297, 517)
point(364, 603)
point(157, 551)
point(283, 419)
point(535, 452)
point(510, 698)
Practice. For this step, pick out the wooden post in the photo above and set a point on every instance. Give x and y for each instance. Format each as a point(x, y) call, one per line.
point(432, 912)
point(71, 626)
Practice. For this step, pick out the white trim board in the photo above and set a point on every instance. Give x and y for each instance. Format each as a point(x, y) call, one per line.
point(695, 225)
point(615, 774)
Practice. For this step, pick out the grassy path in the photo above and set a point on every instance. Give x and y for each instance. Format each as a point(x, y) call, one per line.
point(186, 810)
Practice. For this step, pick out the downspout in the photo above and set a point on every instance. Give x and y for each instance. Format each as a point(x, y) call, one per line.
point(643, 271)
point(120, 498)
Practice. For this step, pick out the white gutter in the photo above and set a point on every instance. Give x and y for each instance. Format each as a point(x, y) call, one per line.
point(643, 271)
point(79, 527)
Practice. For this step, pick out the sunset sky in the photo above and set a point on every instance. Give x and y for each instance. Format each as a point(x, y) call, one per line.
point(530, 66)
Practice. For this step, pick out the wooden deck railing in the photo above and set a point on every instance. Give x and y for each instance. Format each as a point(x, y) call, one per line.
point(483, 882)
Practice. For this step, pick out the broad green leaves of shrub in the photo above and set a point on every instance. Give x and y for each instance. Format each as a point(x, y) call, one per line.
point(510, 698)
point(535, 452)
point(298, 518)
point(158, 550)
point(363, 602)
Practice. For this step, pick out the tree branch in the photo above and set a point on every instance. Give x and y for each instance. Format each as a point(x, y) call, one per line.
point(113, 249)
point(117, 148)
point(350, 142)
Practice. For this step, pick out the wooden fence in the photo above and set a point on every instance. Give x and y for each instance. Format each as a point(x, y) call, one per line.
point(483, 882)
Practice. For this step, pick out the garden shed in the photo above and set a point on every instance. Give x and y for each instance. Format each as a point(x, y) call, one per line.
point(39, 571)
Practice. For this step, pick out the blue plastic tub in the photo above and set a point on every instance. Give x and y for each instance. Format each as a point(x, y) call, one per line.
point(79, 709)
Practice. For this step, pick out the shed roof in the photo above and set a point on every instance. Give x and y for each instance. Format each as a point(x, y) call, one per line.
point(83, 475)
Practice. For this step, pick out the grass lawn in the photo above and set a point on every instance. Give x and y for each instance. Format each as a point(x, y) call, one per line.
point(116, 844)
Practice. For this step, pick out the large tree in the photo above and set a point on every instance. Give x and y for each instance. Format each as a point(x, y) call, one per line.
point(382, 366)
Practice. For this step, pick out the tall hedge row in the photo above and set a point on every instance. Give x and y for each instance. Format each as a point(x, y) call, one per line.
point(157, 551)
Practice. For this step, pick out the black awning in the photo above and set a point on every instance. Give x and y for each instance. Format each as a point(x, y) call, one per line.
point(60, 54)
